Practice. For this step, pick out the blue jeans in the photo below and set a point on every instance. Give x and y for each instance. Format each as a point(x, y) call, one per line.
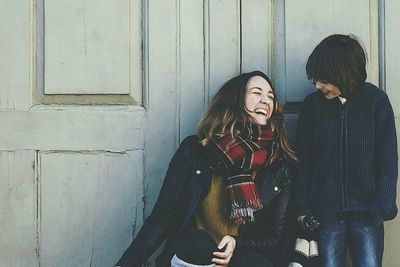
point(359, 231)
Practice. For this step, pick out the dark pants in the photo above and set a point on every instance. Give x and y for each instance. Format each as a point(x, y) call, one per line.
point(196, 247)
point(357, 230)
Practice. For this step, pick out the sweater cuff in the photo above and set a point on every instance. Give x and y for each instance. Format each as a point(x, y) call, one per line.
point(383, 213)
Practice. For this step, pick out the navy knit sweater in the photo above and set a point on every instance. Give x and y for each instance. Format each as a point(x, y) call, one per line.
point(347, 155)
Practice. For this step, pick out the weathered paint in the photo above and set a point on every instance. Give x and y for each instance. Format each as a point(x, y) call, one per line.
point(90, 203)
point(14, 56)
point(307, 24)
point(72, 129)
point(18, 213)
point(94, 39)
point(90, 172)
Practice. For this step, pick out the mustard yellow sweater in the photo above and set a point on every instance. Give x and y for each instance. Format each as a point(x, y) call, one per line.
point(212, 215)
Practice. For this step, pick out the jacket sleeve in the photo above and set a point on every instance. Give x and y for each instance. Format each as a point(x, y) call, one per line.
point(280, 217)
point(384, 206)
point(156, 226)
point(304, 140)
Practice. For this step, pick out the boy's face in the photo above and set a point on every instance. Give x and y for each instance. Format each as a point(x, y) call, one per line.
point(329, 90)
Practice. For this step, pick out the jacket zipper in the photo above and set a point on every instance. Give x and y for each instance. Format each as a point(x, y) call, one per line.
point(343, 153)
point(346, 158)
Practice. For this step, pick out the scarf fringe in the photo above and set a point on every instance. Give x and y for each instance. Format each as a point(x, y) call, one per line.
point(243, 212)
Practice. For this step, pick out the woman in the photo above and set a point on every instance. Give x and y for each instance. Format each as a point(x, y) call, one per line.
point(225, 197)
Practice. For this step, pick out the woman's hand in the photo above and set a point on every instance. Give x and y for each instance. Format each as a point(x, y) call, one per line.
point(221, 259)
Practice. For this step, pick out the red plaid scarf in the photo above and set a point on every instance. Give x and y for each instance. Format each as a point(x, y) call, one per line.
point(251, 150)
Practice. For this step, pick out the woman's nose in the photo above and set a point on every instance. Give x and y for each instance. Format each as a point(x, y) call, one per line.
point(265, 100)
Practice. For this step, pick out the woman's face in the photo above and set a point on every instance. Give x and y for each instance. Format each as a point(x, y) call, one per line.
point(259, 100)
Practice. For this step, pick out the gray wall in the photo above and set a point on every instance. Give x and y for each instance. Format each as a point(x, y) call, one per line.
point(95, 98)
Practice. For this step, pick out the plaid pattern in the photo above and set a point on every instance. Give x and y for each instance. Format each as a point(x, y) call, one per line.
point(250, 151)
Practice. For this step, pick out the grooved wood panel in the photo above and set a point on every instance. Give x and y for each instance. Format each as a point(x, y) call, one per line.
point(14, 55)
point(17, 209)
point(256, 23)
point(223, 55)
point(191, 68)
point(161, 120)
point(392, 53)
point(73, 129)
point(306, 24)
point(86, 47)
point(278, 57)
point(90, 205)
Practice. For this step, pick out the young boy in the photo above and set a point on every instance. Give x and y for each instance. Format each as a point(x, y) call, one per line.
point(347, 148)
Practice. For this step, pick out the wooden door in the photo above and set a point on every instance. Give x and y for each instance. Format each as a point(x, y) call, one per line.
point(71, 141)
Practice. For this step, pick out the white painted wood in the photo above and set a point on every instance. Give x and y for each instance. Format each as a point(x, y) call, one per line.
point(222, 42)
point(307, 24)
point(72, 130)
point(303, 33)
point(278, 59)
point(14, 55)
point(106, 157)
point(370, 41)
point(162, 126)
point(87, 47)
point(191, 68)
point(392, 52)
point(136, 51)
point(17, 209)
point(256, 35)
point(112, 135)
point(90, 206)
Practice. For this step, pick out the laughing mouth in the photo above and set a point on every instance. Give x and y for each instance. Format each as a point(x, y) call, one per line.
point(261, 111)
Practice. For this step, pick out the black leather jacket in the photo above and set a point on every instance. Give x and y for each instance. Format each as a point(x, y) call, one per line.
point(187, 181)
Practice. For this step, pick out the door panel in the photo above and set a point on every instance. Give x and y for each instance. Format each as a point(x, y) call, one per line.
point(15, 55)
point(71, 135)
point(222, 40)
point(307, 24)
point(256, 34)
point(191, 87)
point(86, 52)
point(73, 129)
point(18, 229)
point(86, 47)
point(87, 200)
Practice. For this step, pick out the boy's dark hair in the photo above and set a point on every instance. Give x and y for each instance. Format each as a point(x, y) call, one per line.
point(340, 60)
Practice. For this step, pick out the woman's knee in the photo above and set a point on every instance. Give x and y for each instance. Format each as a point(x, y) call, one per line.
point(196, 247)
point(249, 258)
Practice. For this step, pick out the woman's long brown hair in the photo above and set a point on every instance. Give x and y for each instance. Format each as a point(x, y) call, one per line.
point(226, 114)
